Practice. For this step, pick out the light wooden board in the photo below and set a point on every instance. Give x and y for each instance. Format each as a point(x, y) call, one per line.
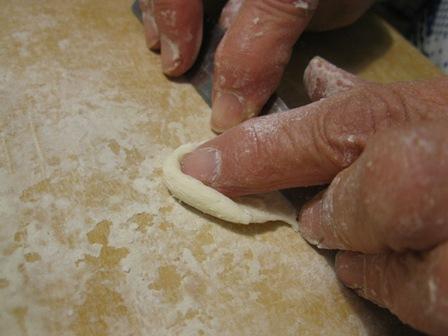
point(91, 243)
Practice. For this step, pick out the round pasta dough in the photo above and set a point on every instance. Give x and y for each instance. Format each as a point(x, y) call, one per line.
point(259, 208)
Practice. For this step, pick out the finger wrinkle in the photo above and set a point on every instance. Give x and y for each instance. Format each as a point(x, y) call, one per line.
point(427, 97)
point(327, 146)
point(408, 284)
point(399, 103)
point(261, 140)
point(258, 134)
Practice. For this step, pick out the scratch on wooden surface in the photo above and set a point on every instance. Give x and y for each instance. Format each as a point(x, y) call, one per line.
point(38, 147)
point(135, 61)
point(92, 152)
point(7, 156)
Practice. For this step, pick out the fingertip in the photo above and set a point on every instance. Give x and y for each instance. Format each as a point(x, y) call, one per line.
point(227, 111)
point(312, 84)
point(315, 63)
point(177, 55)
point(203, 164)
point(323, 79)
point(180, 27)
point(170, 57)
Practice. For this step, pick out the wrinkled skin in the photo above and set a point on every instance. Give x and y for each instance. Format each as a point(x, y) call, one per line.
point(251, 57)
point(384, 151)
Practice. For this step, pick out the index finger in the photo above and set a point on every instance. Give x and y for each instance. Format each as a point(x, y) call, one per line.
point(311, 144)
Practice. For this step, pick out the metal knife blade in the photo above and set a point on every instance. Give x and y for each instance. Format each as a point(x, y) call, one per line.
point(201, 74)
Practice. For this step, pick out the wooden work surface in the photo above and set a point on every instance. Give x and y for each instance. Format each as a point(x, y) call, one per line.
point(91, 243)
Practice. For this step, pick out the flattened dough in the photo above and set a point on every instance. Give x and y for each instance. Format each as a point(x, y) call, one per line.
point(260, 208)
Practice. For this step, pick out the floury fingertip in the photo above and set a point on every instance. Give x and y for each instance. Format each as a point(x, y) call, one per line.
point(228, 111)
point(204, 164)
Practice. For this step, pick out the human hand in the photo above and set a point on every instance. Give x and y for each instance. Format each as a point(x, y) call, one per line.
point(250, 60)
point(384, 151)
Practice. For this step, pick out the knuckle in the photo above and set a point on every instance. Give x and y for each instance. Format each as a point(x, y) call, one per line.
point(403, 190)
point(381, 106)
point(347, 120)
point(384, 107)
point(338, 137)
point(258, 144)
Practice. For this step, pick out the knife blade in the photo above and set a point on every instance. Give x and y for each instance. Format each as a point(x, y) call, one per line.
point(201, 73)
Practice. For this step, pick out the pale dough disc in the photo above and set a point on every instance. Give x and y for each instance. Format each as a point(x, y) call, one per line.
point(259, 208)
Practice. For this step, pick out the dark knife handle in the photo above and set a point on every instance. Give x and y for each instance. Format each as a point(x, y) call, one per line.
point(137, 11)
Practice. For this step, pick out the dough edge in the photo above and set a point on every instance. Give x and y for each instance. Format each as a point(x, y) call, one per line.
point(260, 208)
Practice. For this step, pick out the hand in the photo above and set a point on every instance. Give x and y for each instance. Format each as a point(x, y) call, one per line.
point(384, 148)
point(251, 58)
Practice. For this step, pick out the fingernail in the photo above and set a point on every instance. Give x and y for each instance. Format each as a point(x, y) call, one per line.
point(170, 55)
point(151, 31)
point(310, 222)
point(350, 269)
point(227, 112)
point(204, 164)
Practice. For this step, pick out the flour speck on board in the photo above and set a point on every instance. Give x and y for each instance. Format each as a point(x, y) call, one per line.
point(304, 4)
